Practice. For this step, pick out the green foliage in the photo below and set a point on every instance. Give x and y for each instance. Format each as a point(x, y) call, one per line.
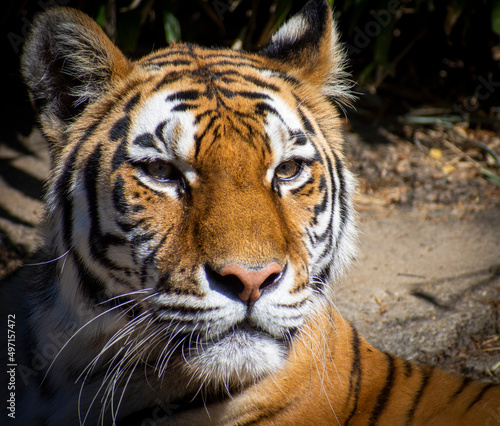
point(404, 40)
point(128, 30)
point(495, 16)
point(172, 27)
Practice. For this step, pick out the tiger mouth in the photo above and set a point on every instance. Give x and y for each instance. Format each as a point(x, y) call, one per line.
point(245, 330)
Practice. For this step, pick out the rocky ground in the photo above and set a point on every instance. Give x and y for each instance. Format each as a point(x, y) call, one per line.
point(426, 284)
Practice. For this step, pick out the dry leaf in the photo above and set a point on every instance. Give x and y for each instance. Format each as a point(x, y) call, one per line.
point(436, 153)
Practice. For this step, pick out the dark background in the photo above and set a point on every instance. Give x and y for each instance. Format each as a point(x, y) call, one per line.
point(403, 54)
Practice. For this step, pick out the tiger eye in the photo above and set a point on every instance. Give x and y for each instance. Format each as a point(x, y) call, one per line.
point(287, 170)
point(159, 170)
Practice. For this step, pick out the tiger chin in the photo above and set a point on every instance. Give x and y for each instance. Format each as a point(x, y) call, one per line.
point(198, 211)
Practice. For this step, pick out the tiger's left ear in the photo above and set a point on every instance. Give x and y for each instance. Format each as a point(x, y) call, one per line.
point(68, 63)
point(309, 44)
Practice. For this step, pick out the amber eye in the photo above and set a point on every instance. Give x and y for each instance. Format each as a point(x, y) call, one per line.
point(288, 170)
point(160, 170)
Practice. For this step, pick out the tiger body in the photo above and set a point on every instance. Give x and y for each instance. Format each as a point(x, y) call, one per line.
point(335, 377)
point(198, 210)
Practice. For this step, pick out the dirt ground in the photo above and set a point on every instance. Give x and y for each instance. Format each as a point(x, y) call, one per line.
point(429, 291)
point(426, 284)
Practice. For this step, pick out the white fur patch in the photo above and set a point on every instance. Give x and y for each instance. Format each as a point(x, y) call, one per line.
point(178, 130)
point(282, 131)
point(292, 31)
point(240, 358)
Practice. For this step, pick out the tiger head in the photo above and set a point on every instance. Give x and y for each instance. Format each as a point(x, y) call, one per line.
point(199, 207)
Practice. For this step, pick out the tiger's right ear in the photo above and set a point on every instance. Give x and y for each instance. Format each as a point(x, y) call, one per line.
point(308, 45)
point(67, 63)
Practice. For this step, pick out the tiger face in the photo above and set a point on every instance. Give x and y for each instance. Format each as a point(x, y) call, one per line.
point(199, 205)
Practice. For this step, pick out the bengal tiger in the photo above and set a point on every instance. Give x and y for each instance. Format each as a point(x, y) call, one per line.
point(199, 210)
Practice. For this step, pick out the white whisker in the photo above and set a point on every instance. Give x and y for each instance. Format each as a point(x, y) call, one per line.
point(48, 261)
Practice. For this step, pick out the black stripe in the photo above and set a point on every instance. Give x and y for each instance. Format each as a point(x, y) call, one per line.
point(170, 78)
point(328, 232)
point(63, 191)
point(160, 133)
point(120, 156)
point(129, 226)
point(183, 107)
point(91, 174)
point(199, 138)
point(183, 95)
point(343, 198)
point(229, 54)
point(246, 138)
point(466, 381)
point(385, 393)
point(342, 191)
point(142, 238)
point(480, 395)
point(148, 188)
point(300, 139)
point(108, 240)
point(173, 62)
point(215, 92)
point(228, 78)
point(146, 140)
point(262, 107)
point(320, 238)
point(298, 190)
point(408, 367)
point(90, 285)
point(251, 95)
point(324, 276)
point(321, 207)
point(119, 199)
point(150, 259)
point(162, 54)
point(355, 375)
point(426, 376)
point(230, 124)
point(305, 121)
point(120, 129)
point(132, 103)
point(137, 208)
point(260, 83)
point(236, 62)
point(199, 116)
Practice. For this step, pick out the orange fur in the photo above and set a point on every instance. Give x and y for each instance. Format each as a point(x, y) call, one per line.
point(316, 388)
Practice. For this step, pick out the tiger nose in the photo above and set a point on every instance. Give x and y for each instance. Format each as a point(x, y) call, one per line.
point(254, 281)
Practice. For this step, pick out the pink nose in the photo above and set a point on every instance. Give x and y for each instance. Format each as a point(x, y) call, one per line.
point(253, 280)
